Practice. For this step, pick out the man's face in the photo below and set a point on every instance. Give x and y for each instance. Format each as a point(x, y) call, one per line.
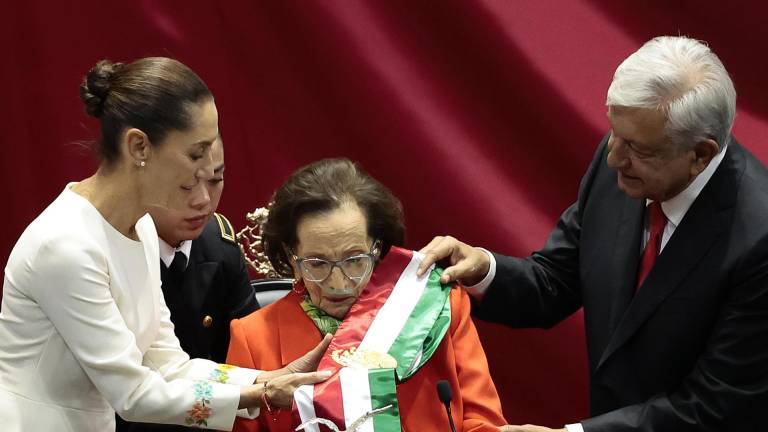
point(647, 163)
point(177, 225)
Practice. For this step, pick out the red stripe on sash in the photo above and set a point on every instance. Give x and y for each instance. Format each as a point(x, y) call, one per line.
point(328, 400)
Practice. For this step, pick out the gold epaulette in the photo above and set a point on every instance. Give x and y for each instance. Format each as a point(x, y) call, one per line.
point(227, 232)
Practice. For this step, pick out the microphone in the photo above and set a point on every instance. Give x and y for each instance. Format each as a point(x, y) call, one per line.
point(445, 394)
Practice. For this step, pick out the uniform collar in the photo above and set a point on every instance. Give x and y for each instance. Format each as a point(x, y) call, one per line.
point(676, 207)
point(167, 252)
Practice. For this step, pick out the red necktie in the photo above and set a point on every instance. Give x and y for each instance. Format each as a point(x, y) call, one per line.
point(657, 223)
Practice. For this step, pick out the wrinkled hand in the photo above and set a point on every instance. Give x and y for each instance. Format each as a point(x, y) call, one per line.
point(529, 428)
point(309, 361)
point(280, 390)
point(306, 363)
point(468, 265)
point(298, 373)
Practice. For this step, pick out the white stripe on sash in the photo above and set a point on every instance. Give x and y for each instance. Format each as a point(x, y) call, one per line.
point(304, 396)
point(356, 393)
point(393, 315)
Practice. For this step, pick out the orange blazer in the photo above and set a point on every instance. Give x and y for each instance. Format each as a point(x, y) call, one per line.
point(273, 336)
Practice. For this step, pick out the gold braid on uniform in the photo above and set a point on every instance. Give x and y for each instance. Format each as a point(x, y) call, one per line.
point(227, 231)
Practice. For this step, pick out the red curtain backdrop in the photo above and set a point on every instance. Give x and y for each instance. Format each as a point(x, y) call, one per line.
point(481, 116)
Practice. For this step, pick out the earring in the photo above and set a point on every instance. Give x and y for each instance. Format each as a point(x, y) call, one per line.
point(141, 164)
point(297, 288)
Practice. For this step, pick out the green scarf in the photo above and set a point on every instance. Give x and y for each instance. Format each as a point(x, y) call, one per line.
point(324, 322)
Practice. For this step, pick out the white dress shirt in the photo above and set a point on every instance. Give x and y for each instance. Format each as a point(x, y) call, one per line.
point(674, 209)
point(168, 252)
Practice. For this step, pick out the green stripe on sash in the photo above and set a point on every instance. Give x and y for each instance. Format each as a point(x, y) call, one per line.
point(383, 393)
point(426, 326)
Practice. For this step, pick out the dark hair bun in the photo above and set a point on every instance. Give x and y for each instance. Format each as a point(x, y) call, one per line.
point(96, 86)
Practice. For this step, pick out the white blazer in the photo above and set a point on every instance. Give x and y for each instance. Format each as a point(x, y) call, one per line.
point(84, 331)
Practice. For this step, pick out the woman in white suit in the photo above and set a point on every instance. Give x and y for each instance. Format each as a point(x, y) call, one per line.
point(84, 330)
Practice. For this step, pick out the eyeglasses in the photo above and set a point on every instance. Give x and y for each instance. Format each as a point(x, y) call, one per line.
point(356, 267)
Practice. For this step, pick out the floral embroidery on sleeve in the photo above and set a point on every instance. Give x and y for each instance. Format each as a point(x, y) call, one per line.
point(200, 412)
point(221, 373)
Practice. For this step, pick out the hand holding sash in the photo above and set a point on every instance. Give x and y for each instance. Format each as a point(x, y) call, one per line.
point(279, 391)
point(466, 264)
point(279, 385)
point(309, 361)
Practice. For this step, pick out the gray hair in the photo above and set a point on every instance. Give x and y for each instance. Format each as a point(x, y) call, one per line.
point(683, 77)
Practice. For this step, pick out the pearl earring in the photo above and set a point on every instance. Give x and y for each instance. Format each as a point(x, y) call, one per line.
point(141, 163)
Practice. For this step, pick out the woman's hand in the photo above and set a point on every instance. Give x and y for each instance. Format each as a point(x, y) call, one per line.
point(309, 361)
point(279, 390)
point(281, 383)
point(306, 363)
point(297, 373)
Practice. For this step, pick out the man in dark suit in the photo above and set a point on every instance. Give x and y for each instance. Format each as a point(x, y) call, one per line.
point(204, 277)
point(666, 249)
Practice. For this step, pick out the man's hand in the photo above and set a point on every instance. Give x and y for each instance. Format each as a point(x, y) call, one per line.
point(468, 265)
point(529, 428)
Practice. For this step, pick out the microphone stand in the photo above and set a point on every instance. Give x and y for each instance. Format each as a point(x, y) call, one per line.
point(445, 394)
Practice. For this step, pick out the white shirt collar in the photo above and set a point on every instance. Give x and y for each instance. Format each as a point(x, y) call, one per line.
point(676, 207)
point(167, 252)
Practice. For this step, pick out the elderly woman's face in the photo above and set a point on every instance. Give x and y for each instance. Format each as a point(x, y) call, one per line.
point(333, 235)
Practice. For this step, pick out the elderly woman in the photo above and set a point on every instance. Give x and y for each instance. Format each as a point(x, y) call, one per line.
point(332, 228)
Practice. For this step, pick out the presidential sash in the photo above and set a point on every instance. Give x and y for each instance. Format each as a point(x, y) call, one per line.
point(393, 328)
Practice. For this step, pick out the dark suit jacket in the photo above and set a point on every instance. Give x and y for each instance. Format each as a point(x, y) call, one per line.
point(214, 289)
point(689, 351)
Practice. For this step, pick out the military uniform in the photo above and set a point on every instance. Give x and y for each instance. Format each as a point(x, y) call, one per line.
point(204, 297)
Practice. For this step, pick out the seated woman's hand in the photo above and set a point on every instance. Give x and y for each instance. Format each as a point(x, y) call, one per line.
point(306, 363)
point(309, 361)
point(281, 383)
point(280, 390)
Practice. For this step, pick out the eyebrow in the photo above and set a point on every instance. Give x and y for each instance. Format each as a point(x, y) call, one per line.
point(352, 251)
point(207, 143)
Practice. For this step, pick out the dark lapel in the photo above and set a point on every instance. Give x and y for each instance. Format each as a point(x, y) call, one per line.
point(704, 222)
point(198, 278)
point(625, 258)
